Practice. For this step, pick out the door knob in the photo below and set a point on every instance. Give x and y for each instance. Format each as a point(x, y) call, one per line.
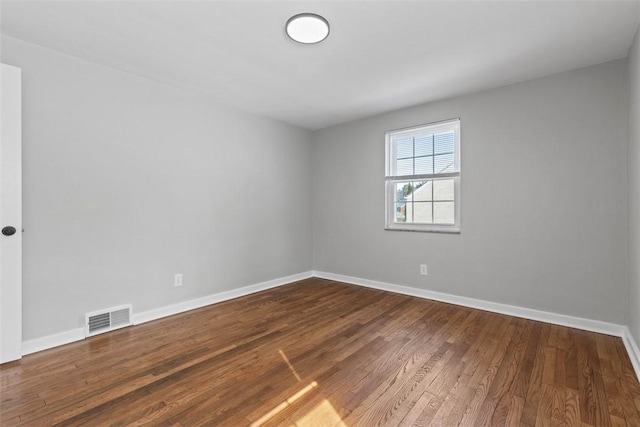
point(9, 231)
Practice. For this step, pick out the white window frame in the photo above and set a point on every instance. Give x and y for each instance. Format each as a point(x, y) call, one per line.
point(391, 179)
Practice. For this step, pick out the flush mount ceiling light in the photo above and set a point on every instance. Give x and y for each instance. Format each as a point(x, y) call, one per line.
point(307, 28)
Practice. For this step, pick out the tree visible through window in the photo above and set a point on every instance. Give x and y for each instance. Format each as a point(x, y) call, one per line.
point(423, 178)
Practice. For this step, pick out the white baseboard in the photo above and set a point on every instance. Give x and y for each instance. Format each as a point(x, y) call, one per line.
point(170, 310)
point(50, 341)
point(55, 340)
point(511, 310)
point(632, 349)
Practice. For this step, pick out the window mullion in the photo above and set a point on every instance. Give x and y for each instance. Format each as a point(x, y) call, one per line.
point(424, 177)
point(413, 159)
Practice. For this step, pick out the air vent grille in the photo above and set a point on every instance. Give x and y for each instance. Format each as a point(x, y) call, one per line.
point(121, 317)
point(101, 321)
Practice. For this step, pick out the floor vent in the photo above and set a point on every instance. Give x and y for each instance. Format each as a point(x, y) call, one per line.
point(98, 322)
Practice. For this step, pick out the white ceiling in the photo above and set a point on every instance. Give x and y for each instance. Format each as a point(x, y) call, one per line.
point(380, 55)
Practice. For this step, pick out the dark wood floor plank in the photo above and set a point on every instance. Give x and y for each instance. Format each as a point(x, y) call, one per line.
point(593, 404)
point(535, 387)
point(572, 408)
point(629, 390)
point(505, 375)
point(319, 352)
point(479, 367)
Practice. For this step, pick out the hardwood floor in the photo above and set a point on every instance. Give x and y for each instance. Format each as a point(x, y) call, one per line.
point(322, 353)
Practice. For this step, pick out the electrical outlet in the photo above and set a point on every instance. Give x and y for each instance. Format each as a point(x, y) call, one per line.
point(177, 280)
point(423, 269)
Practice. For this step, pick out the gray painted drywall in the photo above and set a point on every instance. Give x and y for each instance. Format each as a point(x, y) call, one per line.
point(543, 190)
point(127, 182)
point(633, 197)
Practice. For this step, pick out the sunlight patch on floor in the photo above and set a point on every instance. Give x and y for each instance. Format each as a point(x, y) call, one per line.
point(272, 413)
point(290, 365)
point(322, 415)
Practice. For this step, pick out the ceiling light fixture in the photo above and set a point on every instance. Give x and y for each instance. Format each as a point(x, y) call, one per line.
point(307, 28)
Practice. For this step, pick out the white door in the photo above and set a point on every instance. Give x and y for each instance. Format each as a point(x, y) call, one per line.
point(10, 213)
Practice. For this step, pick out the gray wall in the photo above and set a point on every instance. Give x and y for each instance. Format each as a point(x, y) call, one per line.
point(127, 182)
point(634, 189)
point(543, 189)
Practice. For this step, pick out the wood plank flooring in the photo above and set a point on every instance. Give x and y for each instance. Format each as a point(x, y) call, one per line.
point(322, 353)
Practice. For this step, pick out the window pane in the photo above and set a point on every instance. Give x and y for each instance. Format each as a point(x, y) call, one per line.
point(443, 189)
point(424, 145)
point(403, 190)
point(444, 213)
point(400, 215)
point(422, 191)
point(404, 167)
point(444, 163)
point(422, 212)
point(424, 165)
point(408, 212)
point(404, 148)
point(444, 143)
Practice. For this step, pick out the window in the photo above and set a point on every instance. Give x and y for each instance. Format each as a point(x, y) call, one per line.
point(423, 178)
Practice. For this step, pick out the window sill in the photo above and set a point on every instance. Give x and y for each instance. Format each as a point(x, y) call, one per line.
point(452, 230)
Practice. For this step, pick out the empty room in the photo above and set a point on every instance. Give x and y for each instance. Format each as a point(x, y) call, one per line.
point(333, 213)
